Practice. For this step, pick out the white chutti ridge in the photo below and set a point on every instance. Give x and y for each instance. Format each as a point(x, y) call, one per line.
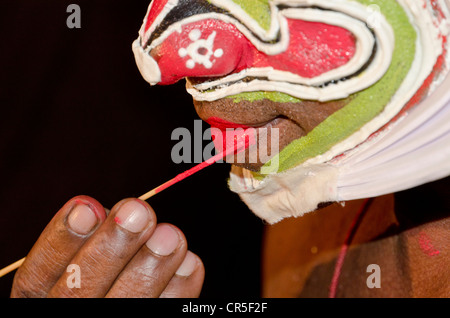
point(410, 152)
point(351, 17)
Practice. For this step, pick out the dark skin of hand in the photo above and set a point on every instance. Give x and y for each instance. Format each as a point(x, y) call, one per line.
point(117, 262)
point(120, 253)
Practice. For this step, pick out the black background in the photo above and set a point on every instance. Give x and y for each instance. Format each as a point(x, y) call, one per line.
point(77, 118)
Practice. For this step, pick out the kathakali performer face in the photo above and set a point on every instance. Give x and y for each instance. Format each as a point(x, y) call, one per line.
point(328, 74)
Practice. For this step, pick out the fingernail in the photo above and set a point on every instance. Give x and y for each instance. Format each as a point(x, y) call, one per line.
point(164, 240)
point(82, 219)
point(133, 217)
point(188, 266)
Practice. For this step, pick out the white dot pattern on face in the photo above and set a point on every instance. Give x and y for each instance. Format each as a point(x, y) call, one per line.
point(218, 53)
point(190, 64)
point(182, 52)
point(200, 50)
point(195, 35)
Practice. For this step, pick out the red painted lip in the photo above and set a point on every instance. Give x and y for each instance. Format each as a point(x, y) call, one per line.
point(223, 124)
point(232, 134)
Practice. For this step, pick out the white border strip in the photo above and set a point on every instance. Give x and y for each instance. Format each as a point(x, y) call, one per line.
point(365, 43)
point(428, 49)
point(299, 87)
point(166, 10)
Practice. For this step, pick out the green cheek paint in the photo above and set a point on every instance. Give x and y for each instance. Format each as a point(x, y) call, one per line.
point(364, 106)
point(258, 10)
point(272, 96)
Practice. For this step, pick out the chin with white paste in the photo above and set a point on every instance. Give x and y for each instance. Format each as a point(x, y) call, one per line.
point(357, 89)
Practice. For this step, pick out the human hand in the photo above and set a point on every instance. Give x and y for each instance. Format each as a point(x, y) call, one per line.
point(122, 253)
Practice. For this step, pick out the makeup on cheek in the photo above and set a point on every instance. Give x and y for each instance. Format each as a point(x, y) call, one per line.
point(224, 133)
point(222, 124)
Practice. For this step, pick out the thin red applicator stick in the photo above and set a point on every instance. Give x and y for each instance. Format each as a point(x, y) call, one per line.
point(186, 174)
point(241, 142)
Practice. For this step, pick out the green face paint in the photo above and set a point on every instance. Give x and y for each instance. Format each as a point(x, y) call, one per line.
point(258, 10)
point(272, 96)
point(364, 105)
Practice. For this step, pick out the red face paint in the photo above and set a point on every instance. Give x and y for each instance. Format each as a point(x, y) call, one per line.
point(227, 135)
point(155, 10)
point(213, 48)
point(223, 124)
